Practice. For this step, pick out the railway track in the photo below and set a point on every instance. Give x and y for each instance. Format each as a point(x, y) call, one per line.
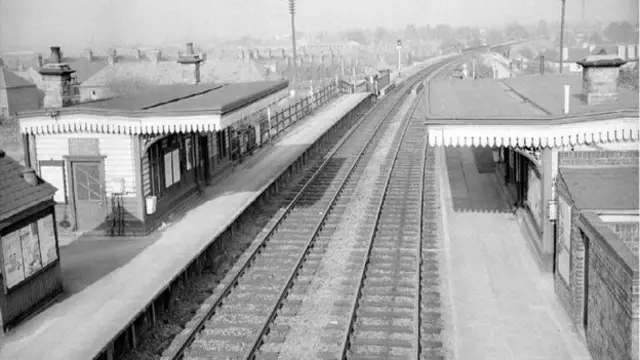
point(243, 309)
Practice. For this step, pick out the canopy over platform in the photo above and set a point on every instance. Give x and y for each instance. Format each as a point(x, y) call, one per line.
point(527, 112)
point(166, 109)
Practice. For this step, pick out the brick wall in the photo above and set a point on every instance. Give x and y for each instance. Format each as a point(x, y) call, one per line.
point(570, 291)
point(612, 305)
point(598, 157)
point(628, 233)
point(612, 288)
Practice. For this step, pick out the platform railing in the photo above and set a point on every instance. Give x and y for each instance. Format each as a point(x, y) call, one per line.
point(283, 119)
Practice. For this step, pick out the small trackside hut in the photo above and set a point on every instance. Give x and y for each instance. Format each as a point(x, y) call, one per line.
point(29, 262)
point(121, 165)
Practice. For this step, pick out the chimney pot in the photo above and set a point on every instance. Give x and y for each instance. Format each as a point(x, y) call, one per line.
point(55, 55)
point(29, 175)
point(189, 48)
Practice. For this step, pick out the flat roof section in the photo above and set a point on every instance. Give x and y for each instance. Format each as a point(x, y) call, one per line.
point(548, 93)
point(474, 98)
point(229, 97)
point(606, 188)
point(536, 96)
point(165, 99)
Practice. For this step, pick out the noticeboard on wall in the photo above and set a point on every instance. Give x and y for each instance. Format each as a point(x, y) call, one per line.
point(53, 173)
point(12, 259)
point(47, 237)
point(27, 250)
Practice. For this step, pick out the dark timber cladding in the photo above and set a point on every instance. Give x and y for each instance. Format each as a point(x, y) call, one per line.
point(125, 163)
point(30, 267)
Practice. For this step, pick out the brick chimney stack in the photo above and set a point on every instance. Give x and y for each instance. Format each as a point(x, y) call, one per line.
point(191, 63)
point(600, 78)
point(56, 78)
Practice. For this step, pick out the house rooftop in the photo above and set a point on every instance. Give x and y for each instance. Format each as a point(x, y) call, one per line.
point(16, 194)
point(603, 188)
point(10, 80)
point(536, 96)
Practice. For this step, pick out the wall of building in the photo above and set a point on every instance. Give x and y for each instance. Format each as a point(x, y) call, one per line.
point(628, 233)
point(612, 304)
point(610, 296)
point(569, 271)
point(119, 168)
point(598, 157)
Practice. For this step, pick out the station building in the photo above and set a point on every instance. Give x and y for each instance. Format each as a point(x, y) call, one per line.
point(121, 164)
point(566, 150)
point(29, 262)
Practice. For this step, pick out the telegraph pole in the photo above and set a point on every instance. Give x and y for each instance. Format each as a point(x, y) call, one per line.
point(292, 11)
point(562, 37)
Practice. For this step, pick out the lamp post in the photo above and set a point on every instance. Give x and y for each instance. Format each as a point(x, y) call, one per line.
point(562, 37)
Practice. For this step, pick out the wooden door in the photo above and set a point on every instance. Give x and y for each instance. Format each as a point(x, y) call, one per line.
point(203, 161)
point(88, 196)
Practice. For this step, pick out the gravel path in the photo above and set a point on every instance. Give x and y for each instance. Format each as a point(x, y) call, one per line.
point(307, 328)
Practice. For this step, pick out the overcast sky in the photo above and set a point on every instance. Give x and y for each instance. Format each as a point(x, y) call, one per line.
point(37, 24)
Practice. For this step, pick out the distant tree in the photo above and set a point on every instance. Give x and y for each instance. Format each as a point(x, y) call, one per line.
point(516, 31)
point(595, 38)
point(356, 35)
point(620, 31)
point(380, 34)
point(542, 31)
point(443, 31)
point(410, 32)
point(495, 37)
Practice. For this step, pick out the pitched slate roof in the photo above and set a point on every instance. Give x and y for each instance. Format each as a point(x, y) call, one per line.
point(10, 80)
point(16, 194)
point(129, 77)
point(85, 69)
point(605, 188)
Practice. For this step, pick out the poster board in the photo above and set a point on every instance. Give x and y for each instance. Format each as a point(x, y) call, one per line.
point(175, 155)
point(189, 148)
point(534, 196)
point(168, 170)
point(53, 173)
point(46, 233)
point(30, 249)
point(564, 251)
point(12, 259)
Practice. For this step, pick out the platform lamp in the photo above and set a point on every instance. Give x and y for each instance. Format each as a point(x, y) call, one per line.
point(562, 36)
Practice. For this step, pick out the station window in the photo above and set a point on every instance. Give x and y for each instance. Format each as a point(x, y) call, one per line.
point(166, 164)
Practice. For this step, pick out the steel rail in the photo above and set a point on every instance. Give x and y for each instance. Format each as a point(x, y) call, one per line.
point(397, 98)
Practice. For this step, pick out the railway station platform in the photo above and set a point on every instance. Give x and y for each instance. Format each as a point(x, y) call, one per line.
point(502, 305)
point(83, 324)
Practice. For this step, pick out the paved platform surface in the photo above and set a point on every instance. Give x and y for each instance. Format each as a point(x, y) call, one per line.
point(81, 325)
point(502, 307)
